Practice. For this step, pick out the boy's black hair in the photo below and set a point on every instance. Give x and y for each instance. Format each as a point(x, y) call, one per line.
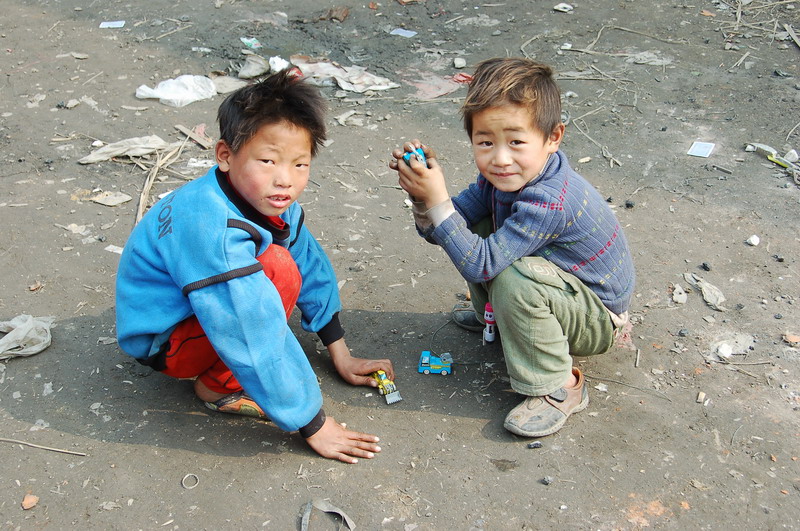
point(281, 97)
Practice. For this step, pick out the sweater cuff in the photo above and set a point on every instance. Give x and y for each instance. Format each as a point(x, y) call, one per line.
point(314, 426)
point(437, 214)
point(421, 219)
point(332, 331)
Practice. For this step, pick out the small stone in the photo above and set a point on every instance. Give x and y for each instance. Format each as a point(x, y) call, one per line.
point(724, 350)
point(547, 480)
point(459, 62)
point(778, 316)
point(701, 396)
point(779, 258)
point(535, 444)
point(753, 240)
point(683, 332)
point(629, 204)
point(705, 266)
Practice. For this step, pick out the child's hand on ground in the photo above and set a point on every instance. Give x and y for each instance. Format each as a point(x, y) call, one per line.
point(335, 441)
point(357, 371)
point(424, 183)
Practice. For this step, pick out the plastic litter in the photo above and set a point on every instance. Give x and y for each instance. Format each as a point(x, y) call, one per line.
point(131, 147)
point(711, 294)
point(701, 149)
point(251, 42)
point(254, 66)
point(25, 335)
point(327, 73)
point(180, 91)
point(403, 33)
point(327, 507)
point(772, 155)
point(112, 24)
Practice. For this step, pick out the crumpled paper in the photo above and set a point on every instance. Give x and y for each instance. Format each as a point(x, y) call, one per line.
point(180, 91)
point(130, 147)
point(25, 335)
point(711, 294)
point(353, 78)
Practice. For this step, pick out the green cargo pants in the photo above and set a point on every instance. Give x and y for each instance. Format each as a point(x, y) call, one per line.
point(545, 316)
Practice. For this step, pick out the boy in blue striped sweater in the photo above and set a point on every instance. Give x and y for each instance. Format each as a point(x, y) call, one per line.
point(531, 236)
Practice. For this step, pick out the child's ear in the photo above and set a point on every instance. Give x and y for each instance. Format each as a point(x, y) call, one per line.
point(223, 153)
point(554, 140)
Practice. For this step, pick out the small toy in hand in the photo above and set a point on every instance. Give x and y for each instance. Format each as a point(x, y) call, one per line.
point(386, 387)
point(418, 153)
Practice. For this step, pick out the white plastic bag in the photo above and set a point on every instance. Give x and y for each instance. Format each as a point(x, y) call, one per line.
point(180, 91)
point(25, 335)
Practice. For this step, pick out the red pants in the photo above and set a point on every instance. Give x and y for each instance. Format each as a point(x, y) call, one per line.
point(190, 353)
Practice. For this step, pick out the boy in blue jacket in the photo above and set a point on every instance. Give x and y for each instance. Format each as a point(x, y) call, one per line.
point(531, 236)
point(209, 277)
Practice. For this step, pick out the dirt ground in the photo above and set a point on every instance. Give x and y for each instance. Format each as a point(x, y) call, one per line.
point(678, 434)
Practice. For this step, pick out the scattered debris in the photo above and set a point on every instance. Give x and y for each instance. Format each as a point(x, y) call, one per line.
point(772, 155)
point(701, 149)
point(753, 240)
point(111, 199)
point(190, 481)
point(254, 66)
point(180, 91)
point(29, 502)
point(338, 13)
point(130, 147)
point(563, 8)
point(251, 42)
point(701, 396)
point(198, 136)
point(711, 294)
point(24, 443)
point(324, 72)
point(112, 24)
point(327, 507)
point(402, 32)
point(25, 335)
point(792, 339)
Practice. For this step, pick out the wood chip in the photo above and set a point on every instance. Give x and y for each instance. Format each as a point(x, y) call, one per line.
point(29, 501)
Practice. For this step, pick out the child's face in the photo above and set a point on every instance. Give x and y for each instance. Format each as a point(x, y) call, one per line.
point(271, 169)
point(509, 151)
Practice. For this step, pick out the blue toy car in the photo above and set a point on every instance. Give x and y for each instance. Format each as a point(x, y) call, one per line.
point(431, 363)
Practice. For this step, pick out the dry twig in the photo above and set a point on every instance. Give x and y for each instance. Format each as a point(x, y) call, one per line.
point(59, 450)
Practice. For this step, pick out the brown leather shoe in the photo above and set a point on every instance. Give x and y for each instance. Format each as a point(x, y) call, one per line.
point(538, 416)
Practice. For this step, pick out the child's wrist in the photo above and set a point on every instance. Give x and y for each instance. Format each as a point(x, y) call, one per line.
point(314, 426)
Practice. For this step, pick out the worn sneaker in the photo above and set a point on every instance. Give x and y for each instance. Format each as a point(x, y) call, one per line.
point(538, 416)
point(465, 317)
point(237, 404)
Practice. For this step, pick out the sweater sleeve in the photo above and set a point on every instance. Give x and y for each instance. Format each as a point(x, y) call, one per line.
point(527, 229)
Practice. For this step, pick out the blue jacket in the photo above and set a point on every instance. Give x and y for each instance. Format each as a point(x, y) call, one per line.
point(194, 253)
